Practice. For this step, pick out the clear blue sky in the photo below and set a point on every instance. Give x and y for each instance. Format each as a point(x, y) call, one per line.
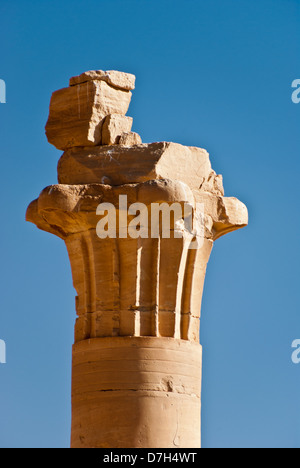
point(215, 74)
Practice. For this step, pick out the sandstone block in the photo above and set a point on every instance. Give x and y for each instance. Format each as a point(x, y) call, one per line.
point(130, 139)
point(120, 165)
point(121, 80)
point(113, 127)
point(77, 113)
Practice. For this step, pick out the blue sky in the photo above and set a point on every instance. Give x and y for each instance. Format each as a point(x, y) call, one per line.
point(215, 74)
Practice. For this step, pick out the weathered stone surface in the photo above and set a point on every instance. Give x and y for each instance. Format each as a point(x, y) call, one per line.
point(130, 305)
point(114, 126)
point(130, 139)
point(213, 183)
point(227, 213)
point(120, 165)
point(68, 209)
point(136, 377)
point(124, 81)
point(122, 381)
point(77, 113)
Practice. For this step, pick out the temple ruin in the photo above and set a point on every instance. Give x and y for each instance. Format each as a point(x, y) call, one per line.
point(136, 370)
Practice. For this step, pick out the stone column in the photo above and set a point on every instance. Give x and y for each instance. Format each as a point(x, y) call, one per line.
point(136, 372)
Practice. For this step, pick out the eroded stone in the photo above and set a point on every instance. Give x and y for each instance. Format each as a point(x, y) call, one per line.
point(124, 81)
point(114, 127)
point(77, 113)
point(130, 139)
point(126, 165)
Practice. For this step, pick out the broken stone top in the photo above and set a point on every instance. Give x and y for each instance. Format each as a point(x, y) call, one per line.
point(88, 122)
point(91, 111)
point(120, 80)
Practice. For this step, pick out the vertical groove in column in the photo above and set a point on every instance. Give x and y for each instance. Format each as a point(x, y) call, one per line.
point(181, 286)
point(87, 274)
point(138, 285)
point(170, 260)
point(146, 282)
point(106, 272)
point(187, 292)
point(156, 245)
point(89, 261)
point(128, 285)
